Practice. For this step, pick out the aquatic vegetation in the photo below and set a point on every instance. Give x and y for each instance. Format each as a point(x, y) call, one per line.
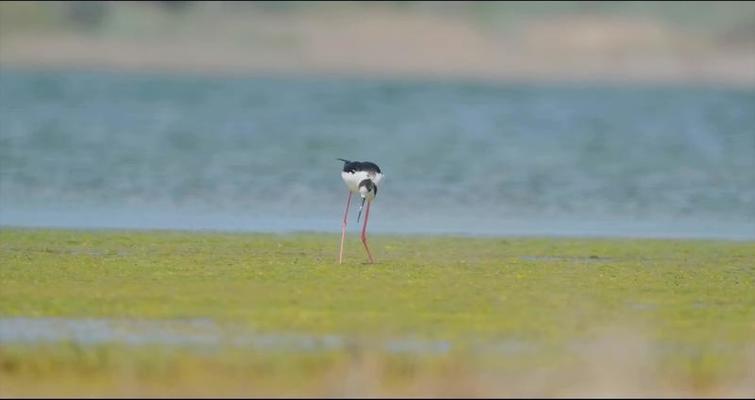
point(519, 315)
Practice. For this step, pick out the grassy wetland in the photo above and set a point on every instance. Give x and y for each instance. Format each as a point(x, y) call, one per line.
point(182, 313)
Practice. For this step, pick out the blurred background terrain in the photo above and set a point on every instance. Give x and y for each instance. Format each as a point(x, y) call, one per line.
point(700, 42)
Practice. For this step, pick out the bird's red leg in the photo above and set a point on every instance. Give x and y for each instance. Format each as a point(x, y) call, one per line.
point(343, 228)
point(364, 231)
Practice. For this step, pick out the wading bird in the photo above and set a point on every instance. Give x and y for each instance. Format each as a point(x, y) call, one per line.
point(360, 177)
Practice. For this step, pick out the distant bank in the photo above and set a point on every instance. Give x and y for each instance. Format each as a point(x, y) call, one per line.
point(381, 42)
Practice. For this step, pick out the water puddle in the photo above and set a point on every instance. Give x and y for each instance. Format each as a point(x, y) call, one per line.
point(192, 333)
point(203, 333)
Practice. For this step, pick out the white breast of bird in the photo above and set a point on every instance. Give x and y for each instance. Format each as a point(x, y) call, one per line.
point(352, 179)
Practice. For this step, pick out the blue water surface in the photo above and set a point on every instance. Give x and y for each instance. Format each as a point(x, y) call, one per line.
point(90, 149)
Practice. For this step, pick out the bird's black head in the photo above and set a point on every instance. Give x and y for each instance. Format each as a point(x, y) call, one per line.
point(368, 191)
point(368, 188)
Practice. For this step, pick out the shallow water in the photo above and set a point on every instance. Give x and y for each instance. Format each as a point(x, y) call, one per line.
point(202, 333)
point(124, 150)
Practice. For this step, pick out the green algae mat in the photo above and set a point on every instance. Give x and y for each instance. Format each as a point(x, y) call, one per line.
point(183, 313)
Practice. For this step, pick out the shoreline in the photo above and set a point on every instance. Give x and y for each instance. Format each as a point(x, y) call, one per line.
point(380, 234)
point(736, 78)
point(388, 78)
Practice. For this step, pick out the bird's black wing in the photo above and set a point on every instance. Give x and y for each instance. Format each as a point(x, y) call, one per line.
point(369, 167)
point(353, 166)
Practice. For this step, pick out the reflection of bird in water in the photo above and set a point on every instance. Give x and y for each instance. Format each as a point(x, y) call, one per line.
point(360, 177)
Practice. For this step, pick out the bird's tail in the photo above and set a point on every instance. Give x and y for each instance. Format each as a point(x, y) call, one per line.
point(341, 159)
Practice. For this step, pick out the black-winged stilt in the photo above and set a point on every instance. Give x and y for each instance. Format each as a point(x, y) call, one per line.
point(360, 177)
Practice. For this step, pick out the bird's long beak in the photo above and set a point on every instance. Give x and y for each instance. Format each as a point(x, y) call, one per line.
point(360, 210)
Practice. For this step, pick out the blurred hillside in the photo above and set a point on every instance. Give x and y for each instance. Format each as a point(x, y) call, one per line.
point(701, 42)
